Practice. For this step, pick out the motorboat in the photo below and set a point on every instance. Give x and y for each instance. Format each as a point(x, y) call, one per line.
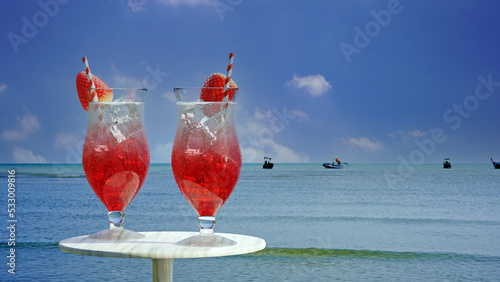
point(495, 164)
point(447, 163)
point(267, 163)
point(336, 164)
point(332, 165)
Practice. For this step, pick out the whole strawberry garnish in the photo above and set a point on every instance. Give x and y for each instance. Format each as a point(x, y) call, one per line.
point(82, 86)
point(216, 95)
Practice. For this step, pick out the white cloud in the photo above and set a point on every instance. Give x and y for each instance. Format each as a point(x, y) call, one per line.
point(3, 87)
point(28, 124)
point(121, 79)
point(64, 139)
point(299, 115)
point(316, 85)
point(269, 148)
point(13, 135)
point(137, 6)
point(185, 2)
point(21, 155)
point(257, 137)
point(273, 121)
point(162, 153)
point(417, 133)
point(364, 144)
point(409, 135)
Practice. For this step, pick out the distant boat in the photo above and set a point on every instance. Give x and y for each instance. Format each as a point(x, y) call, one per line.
point(446, 163)
point(332, 165)
point(336, 164)
point(495, 164)
point(267, 163)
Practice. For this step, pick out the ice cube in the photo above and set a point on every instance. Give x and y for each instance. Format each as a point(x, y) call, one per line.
point(117, 133)
point(133, 112)
point(199, 115)
point(212, 122)
point(195, 118)
point(123, 118)
point(131, 105)
point(192, 115)
point(123, 112)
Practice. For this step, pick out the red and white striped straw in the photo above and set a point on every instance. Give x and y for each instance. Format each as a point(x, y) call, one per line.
point(225, 100)
point(89, 76)
point(92, 91)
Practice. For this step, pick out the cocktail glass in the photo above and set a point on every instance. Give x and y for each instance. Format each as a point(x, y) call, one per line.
point(206, 158)
point(116, 155)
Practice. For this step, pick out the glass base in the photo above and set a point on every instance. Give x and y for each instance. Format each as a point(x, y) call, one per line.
point(212, 240)
point(116, 234)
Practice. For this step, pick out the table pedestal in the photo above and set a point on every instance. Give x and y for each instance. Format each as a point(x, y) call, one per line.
point(161, 248)
point(163, 270)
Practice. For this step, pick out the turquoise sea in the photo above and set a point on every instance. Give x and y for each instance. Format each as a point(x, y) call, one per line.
point(365, 222)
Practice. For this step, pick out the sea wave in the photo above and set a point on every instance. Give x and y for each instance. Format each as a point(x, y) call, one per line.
point(44, 170)
point(370, 254)
point(45, 175)
point(322, 253)
point(31, 245)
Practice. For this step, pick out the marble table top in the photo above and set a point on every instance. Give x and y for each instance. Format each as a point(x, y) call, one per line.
point(159, 245)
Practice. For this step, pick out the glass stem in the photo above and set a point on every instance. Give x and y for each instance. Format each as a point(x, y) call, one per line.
point(206, 224)
point(116, 219)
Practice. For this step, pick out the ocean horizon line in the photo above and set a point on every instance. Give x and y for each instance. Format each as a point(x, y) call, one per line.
point(284, 163)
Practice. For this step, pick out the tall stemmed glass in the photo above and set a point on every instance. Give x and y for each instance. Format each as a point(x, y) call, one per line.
point(206, 158)
point(116, 155)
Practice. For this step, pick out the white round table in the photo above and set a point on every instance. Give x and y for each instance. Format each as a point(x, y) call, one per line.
point(161, 248)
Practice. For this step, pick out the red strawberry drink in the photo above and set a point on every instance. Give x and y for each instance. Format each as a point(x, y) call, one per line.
point(206, 157)
point(116, 153)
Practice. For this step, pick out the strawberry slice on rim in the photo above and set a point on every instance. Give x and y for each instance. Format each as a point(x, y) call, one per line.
point(83, 84)
point(216, 95)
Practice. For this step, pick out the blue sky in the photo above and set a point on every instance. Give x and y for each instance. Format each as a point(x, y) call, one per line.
point(367, 81)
